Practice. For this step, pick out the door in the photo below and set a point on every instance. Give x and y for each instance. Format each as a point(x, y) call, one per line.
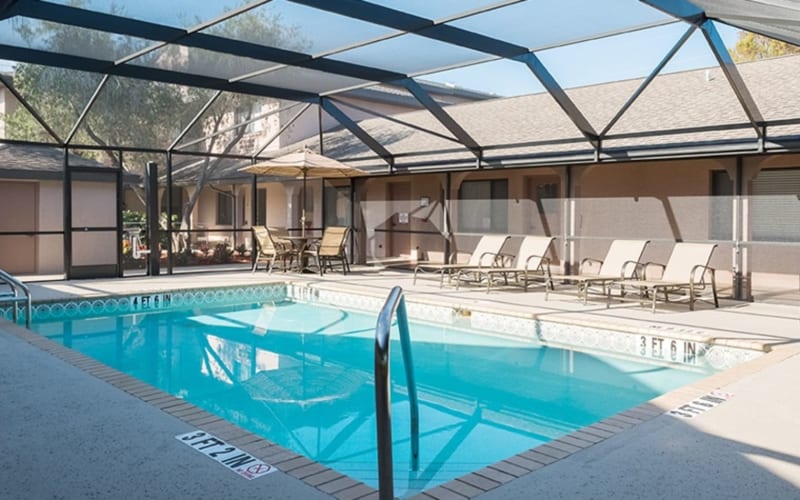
point(94, 221)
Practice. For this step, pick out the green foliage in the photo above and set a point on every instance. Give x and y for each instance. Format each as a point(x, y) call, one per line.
point(138, 113)
point(130, 112)
point(753, 47)
point(132, 217)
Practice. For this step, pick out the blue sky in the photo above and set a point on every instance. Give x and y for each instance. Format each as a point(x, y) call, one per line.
point(632, 55)
point(622, 57)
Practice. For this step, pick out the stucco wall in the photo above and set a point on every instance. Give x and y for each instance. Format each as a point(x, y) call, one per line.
point(18, 206)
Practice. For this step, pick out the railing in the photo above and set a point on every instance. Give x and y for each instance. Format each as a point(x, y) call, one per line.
point(18, 292)
point(383, 400)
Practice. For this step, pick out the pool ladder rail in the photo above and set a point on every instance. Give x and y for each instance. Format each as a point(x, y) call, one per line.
point(383, 413)
point(17, 293)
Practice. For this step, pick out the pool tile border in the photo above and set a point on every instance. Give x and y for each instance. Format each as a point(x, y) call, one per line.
point(607, 337)
point(163, 300)
point(344, 487)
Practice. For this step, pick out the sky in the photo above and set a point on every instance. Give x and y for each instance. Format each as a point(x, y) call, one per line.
point(616, 58)
point(531, 24)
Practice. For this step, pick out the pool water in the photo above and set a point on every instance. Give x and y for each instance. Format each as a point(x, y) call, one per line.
point(300, 375)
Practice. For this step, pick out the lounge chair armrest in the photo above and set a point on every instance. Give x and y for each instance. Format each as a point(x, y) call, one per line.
point(706, 269)
point(503, 259)
point(646, 274)
point(495, 258)
point(544, 262)
point(636, 269)
point(588, 260)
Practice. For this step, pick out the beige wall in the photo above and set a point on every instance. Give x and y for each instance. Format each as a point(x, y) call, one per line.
point(649, 200)
point(18, 206)
point(395, 204)
point(662, 201)
point(8, 105)
point(31, 206)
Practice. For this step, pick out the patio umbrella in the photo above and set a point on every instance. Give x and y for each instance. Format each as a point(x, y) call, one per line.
point(304, 164)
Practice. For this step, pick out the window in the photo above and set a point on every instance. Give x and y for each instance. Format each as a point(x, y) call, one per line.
point(483, 206)
point(224, 209)
point(337, 206)
point(261, 208)
point(547, 191)
point(721, 217)
point(775, 205)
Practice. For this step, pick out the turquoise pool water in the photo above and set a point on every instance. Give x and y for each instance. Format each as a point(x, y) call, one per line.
point(301, 375)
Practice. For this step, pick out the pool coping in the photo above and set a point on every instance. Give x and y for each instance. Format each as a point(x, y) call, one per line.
point(341, 486)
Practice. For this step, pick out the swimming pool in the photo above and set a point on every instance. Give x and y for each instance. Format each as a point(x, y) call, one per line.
point(300, 374)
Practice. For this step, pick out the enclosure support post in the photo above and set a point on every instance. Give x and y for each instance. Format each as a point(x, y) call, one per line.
point(153, 236)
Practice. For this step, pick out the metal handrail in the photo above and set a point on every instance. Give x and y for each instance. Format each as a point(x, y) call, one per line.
point(14, 296)
point(383, 414)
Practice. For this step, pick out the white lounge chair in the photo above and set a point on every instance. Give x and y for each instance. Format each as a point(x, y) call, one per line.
point(487, 250)
point(529, 264)
point(621, 262)
point(686, 274)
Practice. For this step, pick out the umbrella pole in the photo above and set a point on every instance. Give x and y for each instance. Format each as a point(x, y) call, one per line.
point(303, 209)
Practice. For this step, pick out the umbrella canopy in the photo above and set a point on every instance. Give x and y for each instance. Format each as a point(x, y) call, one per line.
point(303, 164)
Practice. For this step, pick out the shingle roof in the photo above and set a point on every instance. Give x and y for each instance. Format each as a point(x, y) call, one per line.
point(700, 99)
point(41, 162)
point(533, 130)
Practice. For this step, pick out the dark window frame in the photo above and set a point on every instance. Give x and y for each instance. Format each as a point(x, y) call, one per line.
point(496, 192)
point(224, 209)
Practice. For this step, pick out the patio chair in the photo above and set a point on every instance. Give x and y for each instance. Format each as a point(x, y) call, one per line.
point(487, 251)
point(284, 248)
point(686, 274)
point(621, 262)
point(331, 248)
point(268, 251)
point(529, 264)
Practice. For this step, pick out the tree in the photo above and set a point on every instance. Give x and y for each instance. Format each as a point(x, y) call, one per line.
point(753, 47)
point(137, 113)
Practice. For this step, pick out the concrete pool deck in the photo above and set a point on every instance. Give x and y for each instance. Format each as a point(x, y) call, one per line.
point(77, 429)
